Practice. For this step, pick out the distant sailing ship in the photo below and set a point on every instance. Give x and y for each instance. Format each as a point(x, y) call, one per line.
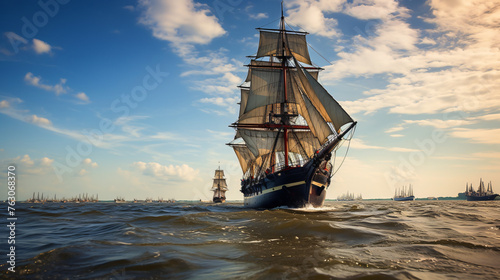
point(349, 197)
point(481, 194)
point(219, 186)
point(404, 194)
point(288, 125)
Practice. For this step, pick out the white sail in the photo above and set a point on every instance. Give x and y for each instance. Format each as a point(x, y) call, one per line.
point(316, 122)
point(265, 83)
point(259, 142)
point(245, 157)
point(329, 109)
point(268, 46)
point(244, 99)
point(256, 63)
point(301, 142)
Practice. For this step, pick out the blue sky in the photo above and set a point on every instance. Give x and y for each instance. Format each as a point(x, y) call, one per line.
point(134, 98)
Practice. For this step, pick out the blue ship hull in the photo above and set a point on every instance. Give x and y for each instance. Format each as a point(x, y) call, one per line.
point(408, 198)
point(296, 187)
point(482, 198)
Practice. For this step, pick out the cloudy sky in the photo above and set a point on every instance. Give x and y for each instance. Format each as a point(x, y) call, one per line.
point(134, 98)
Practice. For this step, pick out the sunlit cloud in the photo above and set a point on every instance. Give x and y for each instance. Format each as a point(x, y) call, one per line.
point(480, 136)
point(40, 121)
point(41, 47)
point(186, 24)
point(457, 71)
point(83, 97)
point(310, 15)
point(258, 16)
point(180, 21)
point(35, 81)
point(360, 144)
point(4, 104)
point(183, 172)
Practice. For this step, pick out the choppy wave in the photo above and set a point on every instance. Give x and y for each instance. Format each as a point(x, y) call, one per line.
point(343, 240)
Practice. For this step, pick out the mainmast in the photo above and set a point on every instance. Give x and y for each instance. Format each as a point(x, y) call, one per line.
point(284, 106)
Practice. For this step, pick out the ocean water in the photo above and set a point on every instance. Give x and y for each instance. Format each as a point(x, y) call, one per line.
point(343, 240)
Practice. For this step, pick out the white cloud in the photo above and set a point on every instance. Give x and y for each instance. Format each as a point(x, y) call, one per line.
point(483, 136)
point(456, 71)
point(258, 16)
point(83, 97)
point(427, 41)
point(90, 163)
point(46, 161)
point(442, 124)
point(4, 104)
point(310, 15)
point(478, 20)
point(28, 165)
point(489, 117)
point(180, 21)
point(82, 172)
point(35, 81)
point(27, 160)
point(492, 154)
point(34, 119)
point(183, 172)
point(374, 9)
point(394, 129)
point(41, 47)
point(229, 103)
point(359, 144)
point(185, 24)
point(386, 51)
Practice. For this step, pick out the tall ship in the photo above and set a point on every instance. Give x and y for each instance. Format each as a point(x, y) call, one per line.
point(219, 186)
point(404, 194)
point(481, 194)
point(288, 125)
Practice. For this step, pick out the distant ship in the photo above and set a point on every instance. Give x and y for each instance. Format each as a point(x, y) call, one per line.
point(219, 187)
point(481, 194)
point(349, 197)
point(404, 194)
point(119, 200)
point(288, 125)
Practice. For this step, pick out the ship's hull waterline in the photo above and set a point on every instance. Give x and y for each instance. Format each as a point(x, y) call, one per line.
point(295, 188)
point(482, 198)
point(408, 198)
point(219, 200)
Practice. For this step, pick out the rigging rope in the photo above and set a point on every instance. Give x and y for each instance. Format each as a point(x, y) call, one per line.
point(347, 150)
